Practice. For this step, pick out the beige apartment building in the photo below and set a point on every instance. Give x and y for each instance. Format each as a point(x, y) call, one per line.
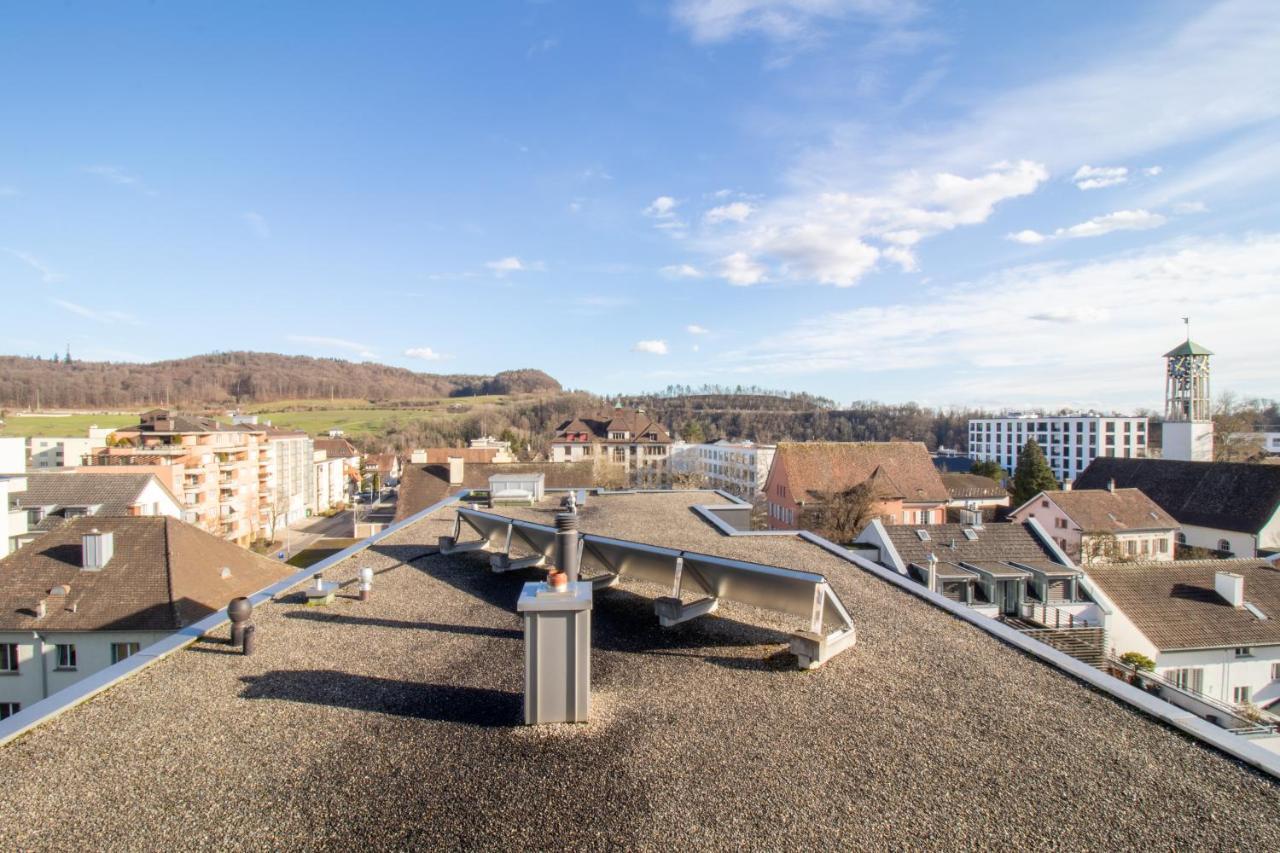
point(224, 475)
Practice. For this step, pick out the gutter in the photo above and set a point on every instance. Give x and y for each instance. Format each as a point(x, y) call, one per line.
point(86, 688)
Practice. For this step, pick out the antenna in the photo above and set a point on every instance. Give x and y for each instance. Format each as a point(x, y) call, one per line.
point(1187, 322)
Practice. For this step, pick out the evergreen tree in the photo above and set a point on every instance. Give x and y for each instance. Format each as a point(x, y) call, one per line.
point(1032, 475)
point(989, 468)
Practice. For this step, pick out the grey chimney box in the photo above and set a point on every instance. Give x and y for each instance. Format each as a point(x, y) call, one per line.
point(96, 549)
point(1230, 586)
point(456, 464)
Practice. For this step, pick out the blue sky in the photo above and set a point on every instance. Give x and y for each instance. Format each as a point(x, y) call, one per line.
point(995, 204)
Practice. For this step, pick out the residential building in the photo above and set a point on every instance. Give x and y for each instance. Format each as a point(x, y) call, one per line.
point(997, 569)
point(224, 473)
point(627, 437)
point(291, 454)
point(738, 467)
point(69, 452)
point(338, 449)
point(1232, 508)
point(488, 442)
point(904, 484)
point(385, 465)
point(331, 482)
point(1211, 626)
point(1103, 525)
point(1069, 442)
point(53, 498)
point(1187, 432)
point(974, 492)
point(1268, 441)
point(98, 589)
point(929, 731)
point(13, 519)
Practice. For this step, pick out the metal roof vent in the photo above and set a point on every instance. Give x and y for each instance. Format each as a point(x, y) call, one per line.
point(225, 573)
point(96, 549)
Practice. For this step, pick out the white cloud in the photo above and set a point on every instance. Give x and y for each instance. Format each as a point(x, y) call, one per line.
point(1188, 207)
point(681, 271)
point(831, 237)
point(258, 224)
point(47, 275)
point(99, 315)
point(362, 350)
point(695, 329)
point(737, 211)
point(1096, 177)
point(424, 353)
point(1120, 220)
point(505, 266)
point(653, 347)
point(739, 268)
point(779, 20)
point(1152, 171)
point(662, 207)
point(1126, 307)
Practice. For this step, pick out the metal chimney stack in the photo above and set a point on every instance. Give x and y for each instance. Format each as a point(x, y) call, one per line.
point(567, 544)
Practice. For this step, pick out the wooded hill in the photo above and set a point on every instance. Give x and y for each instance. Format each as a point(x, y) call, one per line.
point(237, 377)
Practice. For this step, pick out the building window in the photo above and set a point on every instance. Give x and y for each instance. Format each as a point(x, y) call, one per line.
point(120, 651)
point(1242, 694)
point(8, 657)
point(66, 656)
point(1187, 678)
point(1180, 538)
point(8, 709)
point(1244, 652)
point(1162, 546)
point(1275, 672)
point(1224, 546)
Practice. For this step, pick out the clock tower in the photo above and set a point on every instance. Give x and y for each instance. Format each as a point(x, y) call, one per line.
point(1188, 425)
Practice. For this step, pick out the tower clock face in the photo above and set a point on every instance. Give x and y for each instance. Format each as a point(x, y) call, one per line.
point(1185, 367)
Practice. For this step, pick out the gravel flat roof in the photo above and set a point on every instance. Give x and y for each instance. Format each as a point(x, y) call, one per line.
point(394, 723)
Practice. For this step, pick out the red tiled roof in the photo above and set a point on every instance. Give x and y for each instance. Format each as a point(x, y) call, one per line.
point(816, 468)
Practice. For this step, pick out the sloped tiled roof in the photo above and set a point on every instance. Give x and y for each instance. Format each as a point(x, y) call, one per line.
point(635, 422)
point(162, 575)
point(440, 455)
point(816, 468)
point(336, 448)
point(1102, 510)
point(1239, 496)
point(1174, 603)
point(961, 486)
point(114, 494)
point(993, 543)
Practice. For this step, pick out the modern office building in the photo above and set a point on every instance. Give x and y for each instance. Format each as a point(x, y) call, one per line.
point(737, 467)
point(1069, 442)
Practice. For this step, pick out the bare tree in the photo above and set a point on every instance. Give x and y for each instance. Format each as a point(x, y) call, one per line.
point(840, 516)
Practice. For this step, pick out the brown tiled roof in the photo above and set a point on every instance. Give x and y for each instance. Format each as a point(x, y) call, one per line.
point(384, 462)
point(336, 448)
point(1174, 603)
point(961, 486)
point(113, 493)
point(629, 420)
point(1101, 510)
point(993, 543)
point(1240, 496)
point(440, 455)
point(423, 485)
point(816, 468)
point(163, 574)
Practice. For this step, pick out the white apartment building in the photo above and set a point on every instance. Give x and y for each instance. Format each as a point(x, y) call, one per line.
point(329, 480)
point(13, 455)
point(1268, 441)
point(65, 452)
point(737, 467)
point(1069, 442)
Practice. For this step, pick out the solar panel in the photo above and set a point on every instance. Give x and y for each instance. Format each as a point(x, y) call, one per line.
point(802, 594)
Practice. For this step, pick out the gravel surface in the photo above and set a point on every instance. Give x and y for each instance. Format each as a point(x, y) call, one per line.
point(393, 724)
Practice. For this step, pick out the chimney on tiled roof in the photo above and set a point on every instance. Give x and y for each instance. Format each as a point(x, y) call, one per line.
point(96, 549)
point(1230, 586)
point(456, 464)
